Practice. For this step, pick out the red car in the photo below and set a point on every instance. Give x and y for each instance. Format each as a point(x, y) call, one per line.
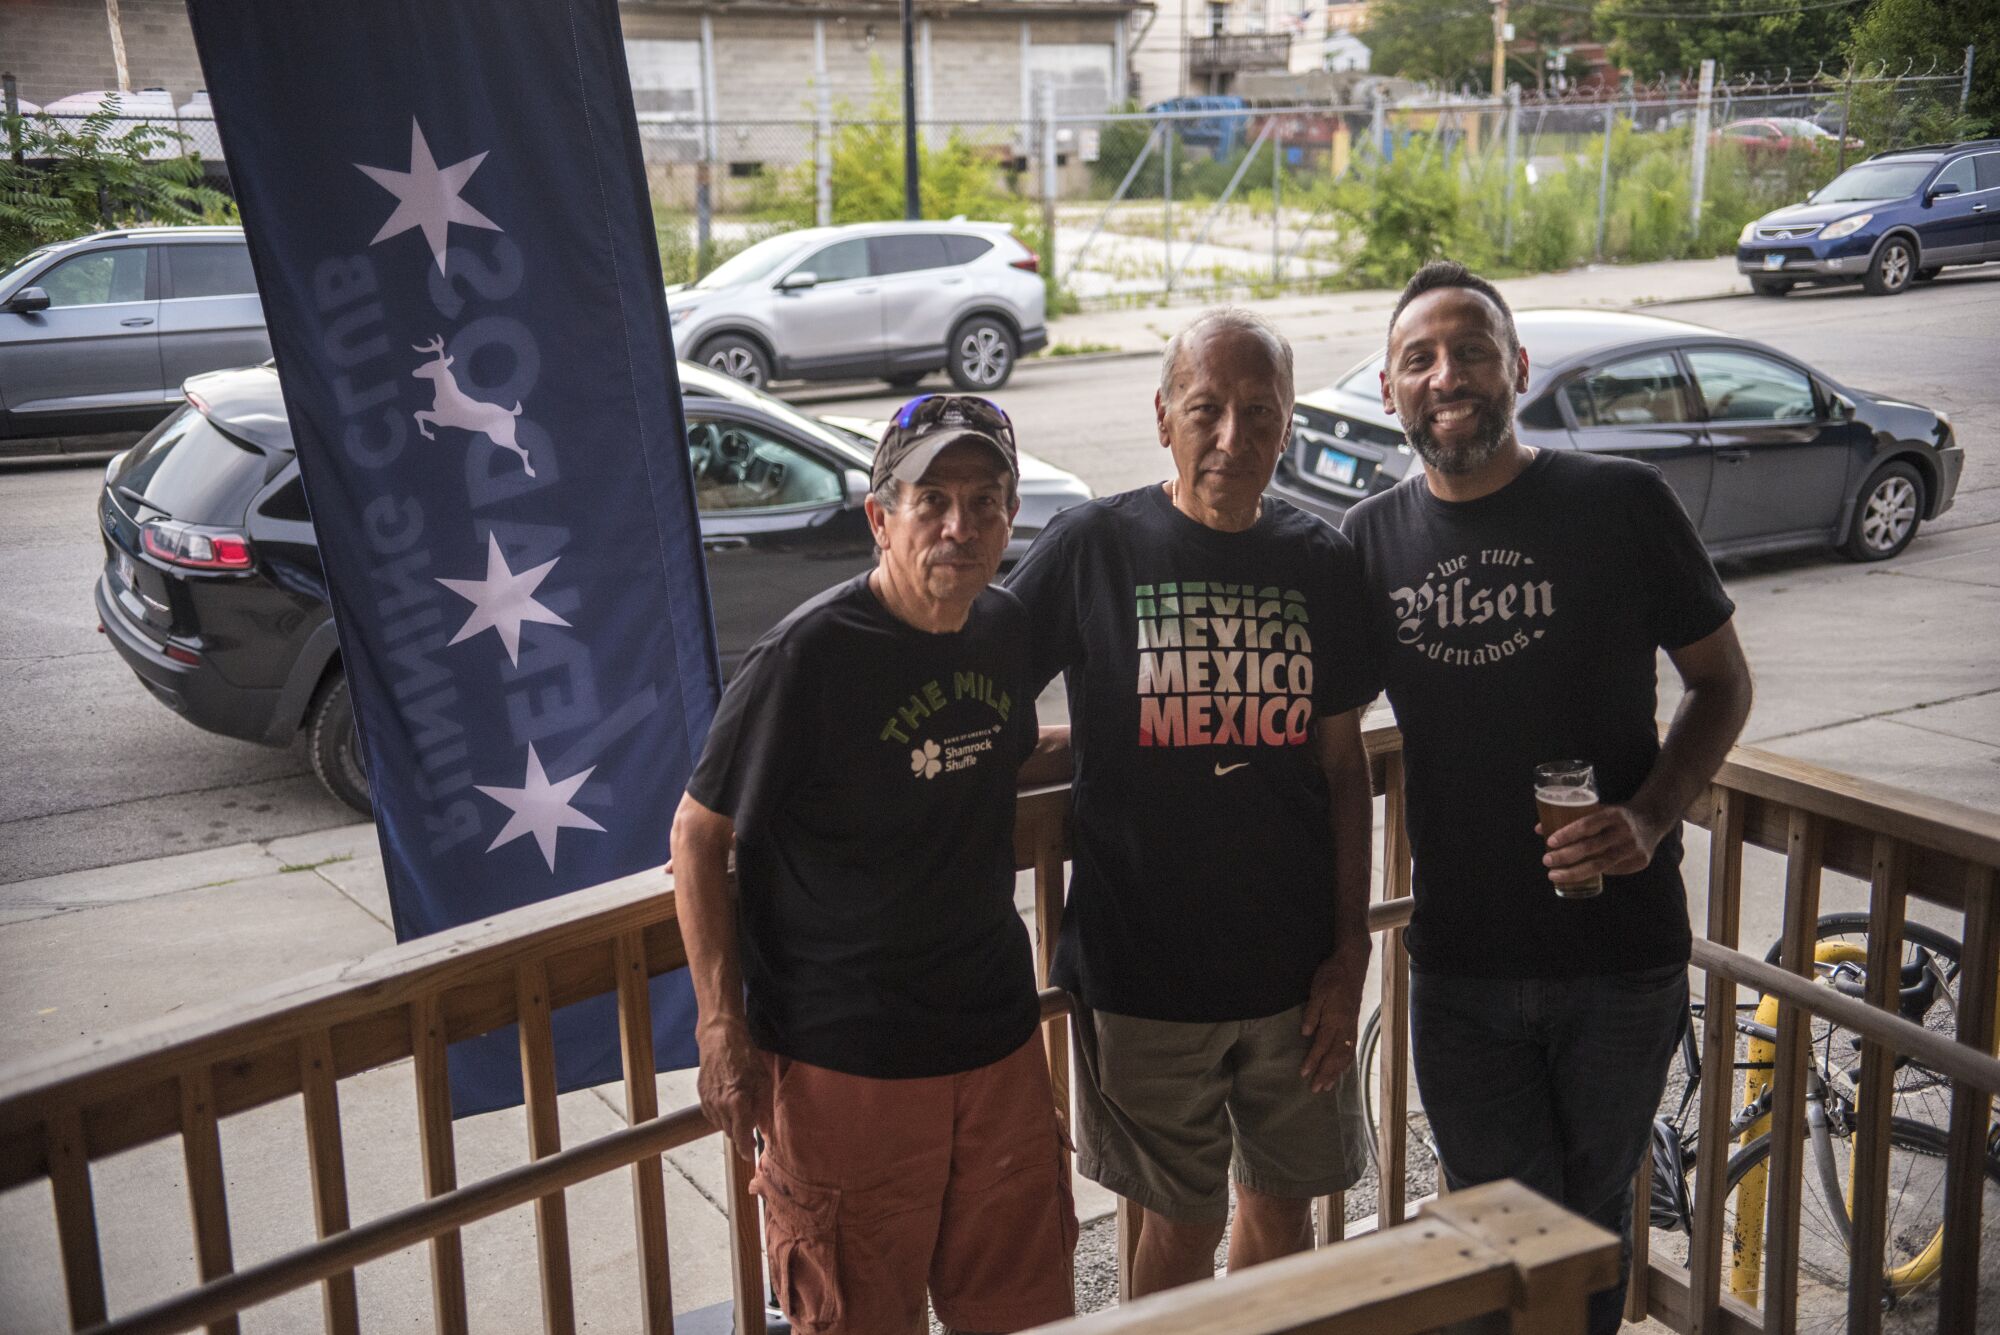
point(1767, 139)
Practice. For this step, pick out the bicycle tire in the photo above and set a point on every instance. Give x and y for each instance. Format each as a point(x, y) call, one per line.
point(1823, 1252)
point(1922, 1093)
point(1367, 1061)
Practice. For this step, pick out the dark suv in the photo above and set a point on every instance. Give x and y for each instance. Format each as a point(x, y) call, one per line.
point(212, 590)
point(1895, 219)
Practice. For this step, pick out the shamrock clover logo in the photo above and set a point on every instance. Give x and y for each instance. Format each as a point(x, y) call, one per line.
point(924, 760)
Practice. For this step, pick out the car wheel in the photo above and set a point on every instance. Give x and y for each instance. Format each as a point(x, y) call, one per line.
point(1887, 515)
point(334, 747)
point(1894, 265)
point(738, 358)
point(906, 380)
point(982, 354)
point(1770, 287)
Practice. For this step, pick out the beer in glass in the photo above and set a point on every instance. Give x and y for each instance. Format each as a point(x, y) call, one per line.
point(1564, 791)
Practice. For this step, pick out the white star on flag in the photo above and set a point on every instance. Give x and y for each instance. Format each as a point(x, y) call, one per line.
point(503, 600)
point(540, 808)
point(427, 195)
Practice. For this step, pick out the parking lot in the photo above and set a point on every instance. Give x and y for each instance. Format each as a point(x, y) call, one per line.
point(1884, 671)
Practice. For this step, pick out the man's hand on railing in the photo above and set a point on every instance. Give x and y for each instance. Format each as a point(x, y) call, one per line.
point(1610, 841)
point(734, 1083)
point(1332, 1017)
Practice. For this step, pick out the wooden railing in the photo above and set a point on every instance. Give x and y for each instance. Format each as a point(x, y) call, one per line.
point(182, 1076)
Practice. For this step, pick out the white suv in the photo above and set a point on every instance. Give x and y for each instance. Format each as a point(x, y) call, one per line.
point(888, 300)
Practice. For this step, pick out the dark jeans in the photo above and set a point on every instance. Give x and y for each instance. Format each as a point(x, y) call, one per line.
point(1553, 1082)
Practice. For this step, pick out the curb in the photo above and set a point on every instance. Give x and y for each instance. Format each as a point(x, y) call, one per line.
point(30, 463)
point(1686, 301)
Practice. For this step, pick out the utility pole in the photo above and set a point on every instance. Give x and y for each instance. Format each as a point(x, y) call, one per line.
point(913, 207)
point(1500, 36)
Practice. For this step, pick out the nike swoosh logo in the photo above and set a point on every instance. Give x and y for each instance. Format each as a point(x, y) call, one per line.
point(1221, 770)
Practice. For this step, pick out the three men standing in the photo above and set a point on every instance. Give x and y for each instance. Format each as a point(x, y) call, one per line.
point(1215, 937)
point(1517, 601)
point(863, 766)
point(1219, 647)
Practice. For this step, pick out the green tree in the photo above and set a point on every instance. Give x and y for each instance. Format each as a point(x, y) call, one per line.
point(1450, 42)
point(1896, 33)
point(78, 178)
point(1738, 35)
point(1447, 42)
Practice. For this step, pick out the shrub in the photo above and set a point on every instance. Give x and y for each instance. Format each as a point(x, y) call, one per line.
point(80, 177)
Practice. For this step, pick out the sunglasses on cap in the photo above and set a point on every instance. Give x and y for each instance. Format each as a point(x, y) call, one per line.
point(928, 409)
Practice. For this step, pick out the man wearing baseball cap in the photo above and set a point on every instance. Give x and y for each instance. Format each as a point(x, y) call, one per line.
point(865, 989)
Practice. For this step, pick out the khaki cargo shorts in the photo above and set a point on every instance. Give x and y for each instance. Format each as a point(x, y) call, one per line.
point(1167, 1112)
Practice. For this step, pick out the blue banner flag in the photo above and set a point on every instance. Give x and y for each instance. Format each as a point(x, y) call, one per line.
point(453, 240)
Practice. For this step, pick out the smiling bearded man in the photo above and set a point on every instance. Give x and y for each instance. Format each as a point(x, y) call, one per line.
point(1519, 599)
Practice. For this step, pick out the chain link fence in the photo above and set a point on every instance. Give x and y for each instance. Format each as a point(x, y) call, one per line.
point(1134, 207)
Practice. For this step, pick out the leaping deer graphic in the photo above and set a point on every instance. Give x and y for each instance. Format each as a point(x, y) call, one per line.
point(451, 406)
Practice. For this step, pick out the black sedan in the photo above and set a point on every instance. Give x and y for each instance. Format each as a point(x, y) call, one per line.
point(213, 594)
point(1766, 453)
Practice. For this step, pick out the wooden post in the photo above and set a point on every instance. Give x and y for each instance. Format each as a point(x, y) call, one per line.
point(642, 1104)
point(1392, 1147)
point(1971, 1109)
point(320, 1093)
point(440, 1158)
point(1788, 1080)
point(746, 1243)
point(1131, 1221)
point(1049, 849)
point(76, 1217)
point(1718, 1062)
point(1868, 1190)
point(538, 1083)
point(208, 1199)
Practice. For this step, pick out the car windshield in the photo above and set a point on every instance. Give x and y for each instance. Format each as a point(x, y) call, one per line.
point(759, 260)
point(724, 387)
point(1800, 129)
point(1876, 180)
point(27, 261)
point(1365, 378)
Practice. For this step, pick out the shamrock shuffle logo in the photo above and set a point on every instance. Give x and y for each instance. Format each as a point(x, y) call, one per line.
point(924, 761)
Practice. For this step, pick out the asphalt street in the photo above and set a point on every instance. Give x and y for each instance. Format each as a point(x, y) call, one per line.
point(1883, 670)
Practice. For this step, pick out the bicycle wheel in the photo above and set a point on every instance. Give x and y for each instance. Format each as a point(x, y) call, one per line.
point(1929, 986)
point(1420, 1154)
point(1915, 1217)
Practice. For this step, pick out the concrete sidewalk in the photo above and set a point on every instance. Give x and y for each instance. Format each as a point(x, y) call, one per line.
point(1144, 329)
point(177, 932)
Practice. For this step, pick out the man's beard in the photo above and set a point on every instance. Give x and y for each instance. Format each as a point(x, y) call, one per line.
point(1494, 421)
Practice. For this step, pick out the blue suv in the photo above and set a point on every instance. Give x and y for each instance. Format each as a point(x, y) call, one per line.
point(1895, 219)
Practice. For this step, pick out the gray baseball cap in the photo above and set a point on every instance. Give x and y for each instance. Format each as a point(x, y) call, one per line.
point(927, 426)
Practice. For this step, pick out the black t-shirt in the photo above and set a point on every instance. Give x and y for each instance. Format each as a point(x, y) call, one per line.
point(869, 768)
point(1516, 629)
point(1202, 885)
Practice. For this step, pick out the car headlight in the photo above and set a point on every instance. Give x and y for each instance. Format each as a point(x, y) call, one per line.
point(1846, 227)
point(1743, 237)
point(679, 317)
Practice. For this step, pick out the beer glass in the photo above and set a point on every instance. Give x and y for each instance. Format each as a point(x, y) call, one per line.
point(1564, 791)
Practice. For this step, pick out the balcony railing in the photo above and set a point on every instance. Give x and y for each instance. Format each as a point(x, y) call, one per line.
point(1237, 53)
point(65, 1112)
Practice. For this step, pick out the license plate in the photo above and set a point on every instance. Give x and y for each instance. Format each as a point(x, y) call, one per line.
point(1335, 467)
point(126, 574)
point(1774, 261)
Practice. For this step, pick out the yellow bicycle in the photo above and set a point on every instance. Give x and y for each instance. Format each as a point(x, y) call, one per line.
point(1928, 986)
